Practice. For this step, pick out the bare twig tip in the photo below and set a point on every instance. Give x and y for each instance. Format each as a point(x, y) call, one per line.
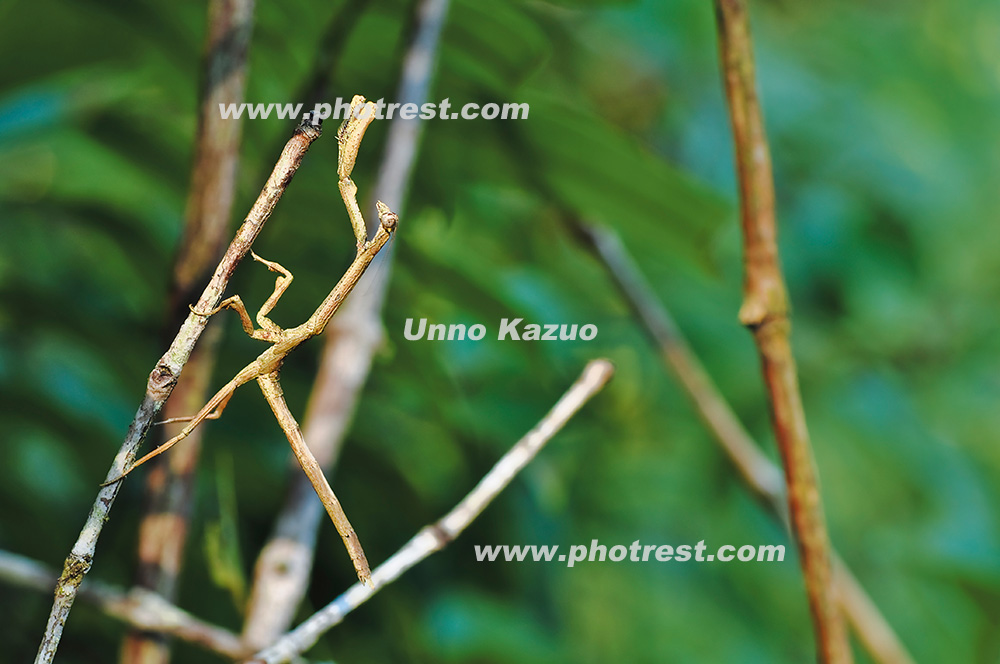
point(311, 124)
point(600, 371)
point(387, 217)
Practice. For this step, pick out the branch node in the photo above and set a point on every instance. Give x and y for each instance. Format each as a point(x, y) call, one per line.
point(441, 536)
point(75, 569)
point(161, 380)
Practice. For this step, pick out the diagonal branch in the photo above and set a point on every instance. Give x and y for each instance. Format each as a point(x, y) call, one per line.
point(758, 472)
point(162, 380)
point(765, 313)
point(281, 574)
point(436, 536)
point(139, 608)
point(163, 530)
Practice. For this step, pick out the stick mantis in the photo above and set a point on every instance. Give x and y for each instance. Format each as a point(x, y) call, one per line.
point(265, 369)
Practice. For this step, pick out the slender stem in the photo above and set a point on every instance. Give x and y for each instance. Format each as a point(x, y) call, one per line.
point(271, 388)
point(871, 627)
point(139, 608)
point(213, 173)
point(161, 383)
point(762, 476)
point(281, 574)
point(164, 527)
point(765, 313)
point(753, 465)
point(436, 536)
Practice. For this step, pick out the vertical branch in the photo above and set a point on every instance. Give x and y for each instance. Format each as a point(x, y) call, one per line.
point(765, 313)
point(213, 177)
point(164, 527)
point(758, 472)
point(283, 568)
point(161, 383)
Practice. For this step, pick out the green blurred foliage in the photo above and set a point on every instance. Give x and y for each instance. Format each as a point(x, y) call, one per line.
point(883, 124)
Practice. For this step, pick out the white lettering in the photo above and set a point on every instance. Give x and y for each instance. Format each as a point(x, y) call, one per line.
point(509, 327)
point(408, 330)
point(436, 332)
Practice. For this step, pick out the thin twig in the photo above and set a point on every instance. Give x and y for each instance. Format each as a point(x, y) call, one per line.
point(265, 369)
point(162, 380)
point(281, 574)
point(761, 475)
point(164, 527)
point(871, 627)
point(436, 536)
point(138, 607)
point(765, 313)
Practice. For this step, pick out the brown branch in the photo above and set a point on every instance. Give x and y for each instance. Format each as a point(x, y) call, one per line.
point(283, 568)
point(138, 607)
point(758, 472)
point(435, 537)
point(162, 380)
point(164, 528)
point(765, 313)
point(266, 368)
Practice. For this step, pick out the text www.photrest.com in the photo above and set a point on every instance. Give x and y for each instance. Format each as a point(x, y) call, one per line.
point(340, 109)
point(636, 553)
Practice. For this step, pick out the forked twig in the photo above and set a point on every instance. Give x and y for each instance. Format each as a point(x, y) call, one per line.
point(436, 536)
point(162, 380)
point(266, 367)
point(765, 313)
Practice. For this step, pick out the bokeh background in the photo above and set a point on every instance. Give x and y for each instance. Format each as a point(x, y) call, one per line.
point(883, 122)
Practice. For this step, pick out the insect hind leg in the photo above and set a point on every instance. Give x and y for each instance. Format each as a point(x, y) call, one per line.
point(221, 398)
